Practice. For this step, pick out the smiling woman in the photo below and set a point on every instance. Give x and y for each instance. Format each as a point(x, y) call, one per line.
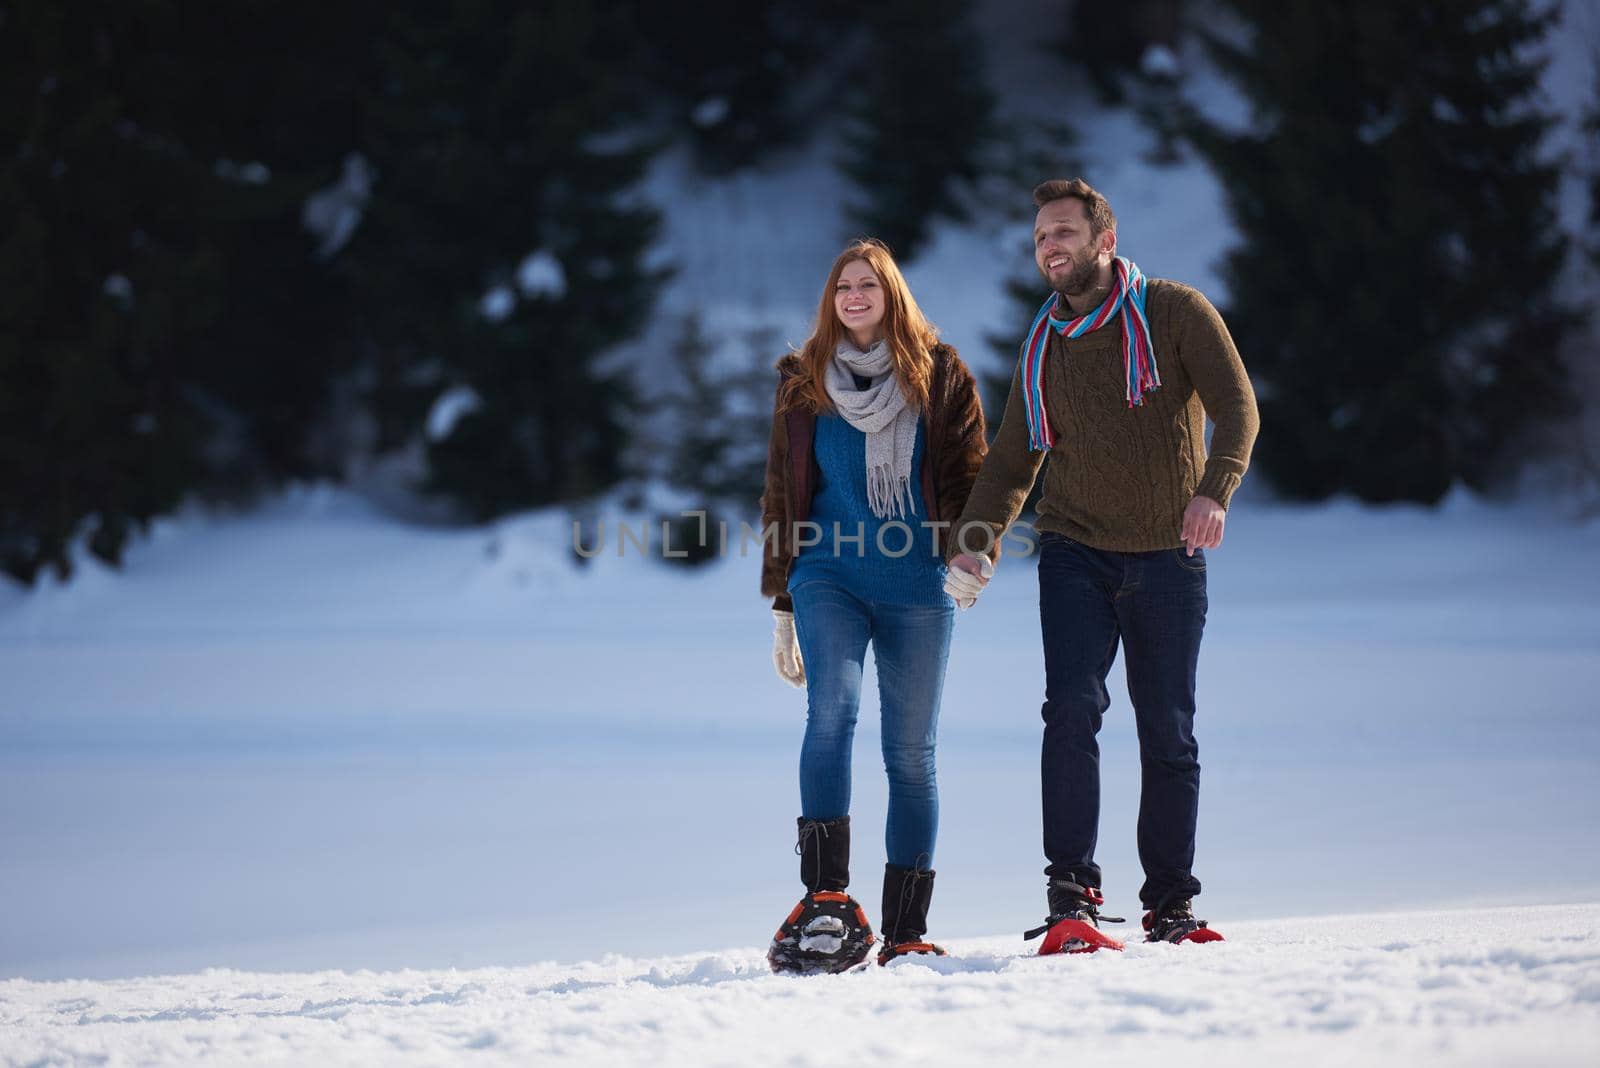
point(877, 427)
point(858, 298)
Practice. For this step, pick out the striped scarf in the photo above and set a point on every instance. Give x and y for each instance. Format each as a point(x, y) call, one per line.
point(1138, 357)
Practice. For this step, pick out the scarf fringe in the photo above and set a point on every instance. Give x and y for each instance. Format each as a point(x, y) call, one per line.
point(888, 494)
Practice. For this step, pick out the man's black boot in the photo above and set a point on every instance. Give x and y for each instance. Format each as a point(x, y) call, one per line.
point(1073, 925)
point(1172, 920)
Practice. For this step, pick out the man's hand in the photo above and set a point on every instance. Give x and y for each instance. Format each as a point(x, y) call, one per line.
point(967, 577)
point(1202, 524)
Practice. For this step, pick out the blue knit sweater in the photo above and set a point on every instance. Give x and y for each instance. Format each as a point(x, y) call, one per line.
point(915, 578)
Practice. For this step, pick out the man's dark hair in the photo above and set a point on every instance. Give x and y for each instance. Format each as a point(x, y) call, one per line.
point(1101, 217)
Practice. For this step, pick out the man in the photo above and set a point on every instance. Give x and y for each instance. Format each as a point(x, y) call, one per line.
point(1116, 378)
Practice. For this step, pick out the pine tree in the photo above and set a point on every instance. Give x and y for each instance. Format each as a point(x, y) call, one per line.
point(157, 335)
point(1393, 293)
point(1587, 447)
point(1036, 153)
point(1591, 125)
point(1109, 42)
point(180, 316)
point(704, 432)
point(713, 418)
point(736, 80)
point(503, 247)
point(921, 113)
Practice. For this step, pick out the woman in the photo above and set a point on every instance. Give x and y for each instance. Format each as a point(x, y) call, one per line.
point(877, 435)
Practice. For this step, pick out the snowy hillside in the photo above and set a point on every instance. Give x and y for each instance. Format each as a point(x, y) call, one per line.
point(751, 251)
point(1491, 988)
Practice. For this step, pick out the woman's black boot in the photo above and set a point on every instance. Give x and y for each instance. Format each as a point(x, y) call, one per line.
point(906, 895)
point(828, 930)
point(824, 849)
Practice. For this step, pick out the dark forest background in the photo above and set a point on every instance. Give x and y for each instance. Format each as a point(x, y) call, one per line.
point(251, 243)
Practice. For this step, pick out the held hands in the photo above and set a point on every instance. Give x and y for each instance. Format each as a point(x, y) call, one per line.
point(966, 578)
point(1202, 524)
point(786, 650)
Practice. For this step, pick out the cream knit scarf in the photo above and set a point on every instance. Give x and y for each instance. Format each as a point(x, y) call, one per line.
point(881, 413)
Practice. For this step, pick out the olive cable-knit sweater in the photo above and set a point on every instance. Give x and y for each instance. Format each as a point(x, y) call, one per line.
point(1119, 478)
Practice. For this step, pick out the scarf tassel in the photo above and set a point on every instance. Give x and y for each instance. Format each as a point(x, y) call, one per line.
point(888, 495)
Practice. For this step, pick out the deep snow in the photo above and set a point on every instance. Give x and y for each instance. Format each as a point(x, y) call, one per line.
point(1492, 988)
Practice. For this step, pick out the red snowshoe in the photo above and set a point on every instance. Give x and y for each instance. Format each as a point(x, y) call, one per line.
point(1073, 925)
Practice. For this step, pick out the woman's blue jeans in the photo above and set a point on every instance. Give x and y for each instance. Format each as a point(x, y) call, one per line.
point(911, 645)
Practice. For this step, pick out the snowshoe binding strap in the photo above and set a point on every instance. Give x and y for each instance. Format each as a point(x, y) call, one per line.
point(1173, 921)
point(889, 953)
point(1072, 901)
point(1073, 925)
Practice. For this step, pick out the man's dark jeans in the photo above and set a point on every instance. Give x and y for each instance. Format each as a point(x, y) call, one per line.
point(1155, 604)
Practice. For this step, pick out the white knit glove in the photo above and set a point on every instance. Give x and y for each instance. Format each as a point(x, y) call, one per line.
point(963, 585)
point(786, 649)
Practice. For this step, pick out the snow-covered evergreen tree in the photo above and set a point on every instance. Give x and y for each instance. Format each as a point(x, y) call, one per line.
point(921, 112)
point(164, 324)
point(503, 247)
point(1394, 288)
point(737, 81)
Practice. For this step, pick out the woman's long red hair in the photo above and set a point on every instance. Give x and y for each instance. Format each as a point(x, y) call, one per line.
point(910, 336)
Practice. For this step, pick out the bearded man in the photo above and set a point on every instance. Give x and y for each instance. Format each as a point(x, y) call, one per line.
point(1116, 378)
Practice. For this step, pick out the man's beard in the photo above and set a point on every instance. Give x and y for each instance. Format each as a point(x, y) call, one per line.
point(1080, 280)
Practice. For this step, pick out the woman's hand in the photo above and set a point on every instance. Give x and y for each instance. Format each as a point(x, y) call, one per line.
point(786, 650)
point(966, 578)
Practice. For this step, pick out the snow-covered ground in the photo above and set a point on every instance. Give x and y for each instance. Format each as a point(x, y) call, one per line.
point(1489, 987)
point(311, 738)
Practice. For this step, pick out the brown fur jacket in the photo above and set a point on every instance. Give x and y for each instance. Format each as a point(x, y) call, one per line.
point(956, 444)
